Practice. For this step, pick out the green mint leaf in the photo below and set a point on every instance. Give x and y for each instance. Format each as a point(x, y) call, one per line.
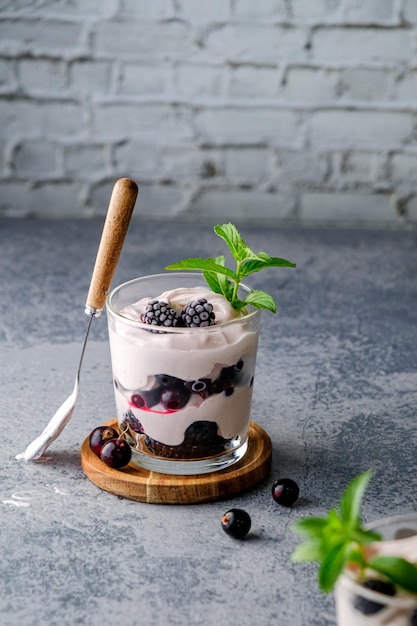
point(222, 279)
point(196, 263)
point(310, 527)
point(332, 566)
point(260, 300)
point(356, 555)
point(351, 501)
point(213, 279)
point(340, 538)
point(397, 570)
point(238, 304)
point(255, 265)
point(307, 551)
point(337, 538)
point(333, 521)
point(234, 241)
point(219, 260)
point(362, 536)
point(226, 286)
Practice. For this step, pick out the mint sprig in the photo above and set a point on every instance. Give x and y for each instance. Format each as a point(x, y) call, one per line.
point(226, 281)
point(340, 539)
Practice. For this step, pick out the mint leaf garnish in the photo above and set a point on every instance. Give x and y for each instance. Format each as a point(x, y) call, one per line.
point(226, 281)
point(208, 265)
point(350, 503)
point(398, 570)
point(339, 539)
point(332, 566)
point(260, 300)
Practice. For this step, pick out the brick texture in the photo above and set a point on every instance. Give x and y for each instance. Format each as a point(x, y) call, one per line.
point(279, 110)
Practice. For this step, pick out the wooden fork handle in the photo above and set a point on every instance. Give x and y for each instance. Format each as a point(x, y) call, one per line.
point(118, 216)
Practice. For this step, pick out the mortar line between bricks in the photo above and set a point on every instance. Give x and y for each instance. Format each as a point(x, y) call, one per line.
point(198, 105)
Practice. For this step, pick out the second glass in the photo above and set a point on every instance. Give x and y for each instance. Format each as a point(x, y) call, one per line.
point(357, 605)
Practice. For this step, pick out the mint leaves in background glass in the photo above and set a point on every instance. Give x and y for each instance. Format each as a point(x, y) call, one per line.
point(224, 280)
point(340, 539)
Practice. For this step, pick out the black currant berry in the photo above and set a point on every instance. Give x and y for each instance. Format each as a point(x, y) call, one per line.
point(116, 453)
point(369, 607)
point(236, 523)
point(175, 398)
point(138, 401)
point(99, 436)
point(285, 491)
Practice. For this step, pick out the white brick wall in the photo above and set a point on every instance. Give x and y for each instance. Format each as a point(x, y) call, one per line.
point(293, 111)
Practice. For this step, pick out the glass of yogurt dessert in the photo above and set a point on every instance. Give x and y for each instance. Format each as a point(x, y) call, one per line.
point(183, 347)
point(183, 361)
point(373, 601)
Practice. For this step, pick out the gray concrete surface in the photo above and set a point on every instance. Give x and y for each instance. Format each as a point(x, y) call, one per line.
point(336, 388)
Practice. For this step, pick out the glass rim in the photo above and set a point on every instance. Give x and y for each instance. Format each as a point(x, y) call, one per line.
point(347, 580)
point(392, 519)
point(173, 329)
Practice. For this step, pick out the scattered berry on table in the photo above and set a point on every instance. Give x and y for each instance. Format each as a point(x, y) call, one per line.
point(116, 453)
point(285, 491)
point(236, 523)
point(100, 435)
point(369, 607)
point(198, 313)
point(160, 313)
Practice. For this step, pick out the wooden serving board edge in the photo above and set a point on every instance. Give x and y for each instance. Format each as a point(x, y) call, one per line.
point(155, 488)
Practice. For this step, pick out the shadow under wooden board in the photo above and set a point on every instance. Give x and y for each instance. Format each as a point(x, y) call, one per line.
point(152, 487)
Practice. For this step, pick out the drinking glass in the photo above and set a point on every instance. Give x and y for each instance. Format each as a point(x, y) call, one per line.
point(357, 605)
point(183, 395)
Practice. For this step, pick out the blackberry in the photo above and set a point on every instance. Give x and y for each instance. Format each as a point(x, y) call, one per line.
point(203, 434)
point(198, 313)
point(369, 607)
point(200, 440)
point(130, 421)
point(160, 313)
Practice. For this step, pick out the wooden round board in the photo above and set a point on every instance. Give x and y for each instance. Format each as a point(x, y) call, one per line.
point(152, 487)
